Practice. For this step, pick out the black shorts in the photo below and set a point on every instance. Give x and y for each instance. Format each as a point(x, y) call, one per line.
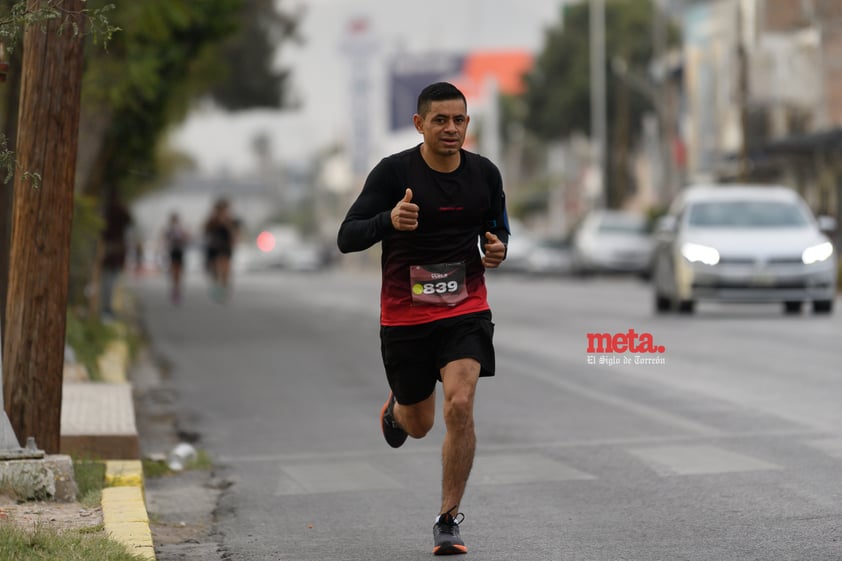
point(415, 354)
point(177, 256)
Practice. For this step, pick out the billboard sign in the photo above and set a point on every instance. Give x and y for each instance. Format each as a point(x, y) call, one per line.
point(409, 74)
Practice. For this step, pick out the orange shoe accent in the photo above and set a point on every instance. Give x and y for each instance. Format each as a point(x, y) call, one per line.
point(450, 550)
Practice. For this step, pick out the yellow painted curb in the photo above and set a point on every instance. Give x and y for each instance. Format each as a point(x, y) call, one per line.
point(113, 363)
point(124, 473)
point(136, 536)
point(124, 507)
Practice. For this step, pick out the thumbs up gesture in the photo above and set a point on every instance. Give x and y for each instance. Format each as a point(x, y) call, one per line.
point(405, 213)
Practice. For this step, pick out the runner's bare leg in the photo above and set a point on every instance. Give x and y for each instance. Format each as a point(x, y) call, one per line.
point(416, 419)
point(459, 380)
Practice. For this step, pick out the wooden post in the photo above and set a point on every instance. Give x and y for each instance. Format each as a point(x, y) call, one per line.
point(39, 259)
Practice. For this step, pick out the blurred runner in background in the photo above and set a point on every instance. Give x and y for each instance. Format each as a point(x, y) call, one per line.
point(114, 251)
point(221, 232)
point(176, 240)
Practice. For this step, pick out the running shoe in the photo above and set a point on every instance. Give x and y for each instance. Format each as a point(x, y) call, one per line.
point(446, 534)
point(392, 431)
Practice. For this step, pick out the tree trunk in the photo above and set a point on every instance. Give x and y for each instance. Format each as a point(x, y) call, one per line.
point(11, 92)
point(39, 260)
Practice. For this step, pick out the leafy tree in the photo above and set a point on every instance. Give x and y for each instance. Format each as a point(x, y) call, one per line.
point(165, 55)
point(142, 83)
point(250, 78)
point(558, 89)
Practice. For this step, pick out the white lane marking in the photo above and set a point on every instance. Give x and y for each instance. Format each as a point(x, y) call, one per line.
point(521, 468)
point(697, 460)
point(669, 419)
point(830, 446)
point(483, 448)
point(332, 477)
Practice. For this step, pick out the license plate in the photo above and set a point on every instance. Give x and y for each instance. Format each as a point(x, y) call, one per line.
point(763, 279)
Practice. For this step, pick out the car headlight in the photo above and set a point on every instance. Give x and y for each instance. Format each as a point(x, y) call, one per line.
point(697, 253)
point(816, 253)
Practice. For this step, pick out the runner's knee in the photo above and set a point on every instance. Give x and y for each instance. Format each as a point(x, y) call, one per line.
point(459, 410)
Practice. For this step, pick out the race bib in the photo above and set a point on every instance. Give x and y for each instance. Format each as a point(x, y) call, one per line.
point(442, 284)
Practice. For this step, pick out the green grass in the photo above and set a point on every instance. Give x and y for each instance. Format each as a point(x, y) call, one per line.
point(156, 468)
point(89, 338)
point(202, 461)
point(90, 479)
point(46, 544)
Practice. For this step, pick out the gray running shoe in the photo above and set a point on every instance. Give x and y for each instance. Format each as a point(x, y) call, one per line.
point(446, 534)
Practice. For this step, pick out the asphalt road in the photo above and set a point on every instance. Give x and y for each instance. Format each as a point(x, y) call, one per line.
point(725, 446)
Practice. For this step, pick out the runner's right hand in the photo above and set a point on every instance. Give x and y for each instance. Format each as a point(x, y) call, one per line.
point(405, 214)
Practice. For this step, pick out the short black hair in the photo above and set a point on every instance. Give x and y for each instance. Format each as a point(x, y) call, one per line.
point(439, 91)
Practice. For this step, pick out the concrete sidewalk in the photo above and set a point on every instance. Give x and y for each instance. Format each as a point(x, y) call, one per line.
point(97, 418)
point(98, 422)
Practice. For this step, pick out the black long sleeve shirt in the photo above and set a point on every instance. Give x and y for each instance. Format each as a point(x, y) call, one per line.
point(455, 211)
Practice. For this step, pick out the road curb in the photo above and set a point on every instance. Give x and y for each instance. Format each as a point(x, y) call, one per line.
point(124, 507)
point(123, 502)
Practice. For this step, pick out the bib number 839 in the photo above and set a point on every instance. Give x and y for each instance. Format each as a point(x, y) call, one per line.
point(441, 284)
point(437, 287)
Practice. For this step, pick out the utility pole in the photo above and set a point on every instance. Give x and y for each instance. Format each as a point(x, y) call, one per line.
point(360, 47)
point(664, 183)
point(742, 93)
point(598, 110)
point(39, 258)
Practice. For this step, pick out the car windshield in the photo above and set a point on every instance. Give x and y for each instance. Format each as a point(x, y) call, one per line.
point(622, 224)
point(746, 214)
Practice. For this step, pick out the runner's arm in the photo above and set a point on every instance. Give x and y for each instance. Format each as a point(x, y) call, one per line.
point(499, 225)
point(368, 220)
point(498, 221)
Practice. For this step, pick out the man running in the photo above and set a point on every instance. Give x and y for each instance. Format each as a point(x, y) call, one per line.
point(432, 207)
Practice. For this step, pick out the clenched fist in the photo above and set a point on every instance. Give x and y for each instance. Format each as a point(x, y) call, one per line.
point(495, 251)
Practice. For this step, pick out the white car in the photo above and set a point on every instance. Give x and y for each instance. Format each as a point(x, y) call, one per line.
point(612, 241)
point(281, 246)
point(743, 243)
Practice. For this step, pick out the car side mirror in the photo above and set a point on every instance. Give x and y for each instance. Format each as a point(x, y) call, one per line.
point(827, 224)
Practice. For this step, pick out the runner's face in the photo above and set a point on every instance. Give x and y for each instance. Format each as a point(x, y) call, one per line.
point(444, 126)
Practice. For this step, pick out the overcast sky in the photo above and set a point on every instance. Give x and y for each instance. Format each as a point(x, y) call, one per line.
point(321, 73)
